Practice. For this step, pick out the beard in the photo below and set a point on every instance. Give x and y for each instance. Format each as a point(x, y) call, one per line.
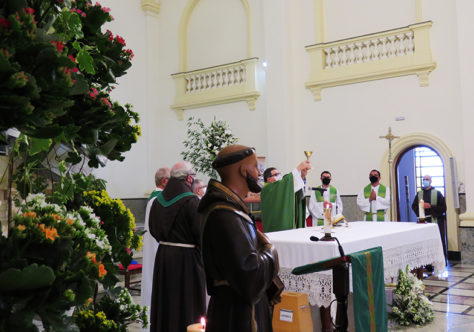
point(253, 184)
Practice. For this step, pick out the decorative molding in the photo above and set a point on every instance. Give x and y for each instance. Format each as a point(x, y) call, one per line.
point(399, 147)
point(151, 7)
point(466, 219)
point(386, 54)
point(221, 84)
point(183, 32)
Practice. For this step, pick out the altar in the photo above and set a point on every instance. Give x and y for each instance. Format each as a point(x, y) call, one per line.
point(403, 243)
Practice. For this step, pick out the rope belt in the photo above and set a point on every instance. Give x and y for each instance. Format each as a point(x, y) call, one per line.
point(218, 283)
point(174, 244)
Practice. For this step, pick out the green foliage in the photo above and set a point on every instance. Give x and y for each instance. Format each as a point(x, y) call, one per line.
point(57, 69)
point(113, 312)
point(204, 142)
point(118, 222)
point(410, 305)
point(50, 262)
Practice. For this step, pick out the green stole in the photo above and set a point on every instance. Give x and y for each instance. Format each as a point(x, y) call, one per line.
point(278, 202)
point(370, 309)
point(381, 193)
point(163, 202)
point(154, 194)
point(320, 199)
point(433, 201)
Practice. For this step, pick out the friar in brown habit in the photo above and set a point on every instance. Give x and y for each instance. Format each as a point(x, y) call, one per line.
point(240, 262)
point(178, 296)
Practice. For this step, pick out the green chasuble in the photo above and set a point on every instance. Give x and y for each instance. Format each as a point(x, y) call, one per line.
point(282, 208)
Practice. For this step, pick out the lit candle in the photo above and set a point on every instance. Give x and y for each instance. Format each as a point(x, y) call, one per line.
point(203, 324)
point(421, 209)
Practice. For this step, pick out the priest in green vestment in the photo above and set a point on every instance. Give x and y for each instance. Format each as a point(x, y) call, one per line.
point(283, 200)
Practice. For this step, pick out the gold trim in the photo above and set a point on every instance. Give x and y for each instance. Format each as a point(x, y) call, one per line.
point(151, 7)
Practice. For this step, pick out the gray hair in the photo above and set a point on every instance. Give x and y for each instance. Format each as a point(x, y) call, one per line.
point(181, 169)
point(161, 173)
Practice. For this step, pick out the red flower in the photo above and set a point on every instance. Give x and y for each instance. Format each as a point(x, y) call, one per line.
point(59, 45)
point(120, 40)
point(28, 10)
point(93, 93)
point(5, 22)
point(106, 102)
point(73, 59)
point(105, 9)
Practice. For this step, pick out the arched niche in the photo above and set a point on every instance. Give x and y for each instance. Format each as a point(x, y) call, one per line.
point(183, 32)
point(399, 146)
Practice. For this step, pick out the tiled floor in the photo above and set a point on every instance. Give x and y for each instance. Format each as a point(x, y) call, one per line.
point(452, 295)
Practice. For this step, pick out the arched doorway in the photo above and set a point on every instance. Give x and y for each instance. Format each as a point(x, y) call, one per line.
point(404, 143)
point(411, 166)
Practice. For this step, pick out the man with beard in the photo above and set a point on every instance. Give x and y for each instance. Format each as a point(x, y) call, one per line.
point(178, 296)
point(374, 199)
point(240, 262)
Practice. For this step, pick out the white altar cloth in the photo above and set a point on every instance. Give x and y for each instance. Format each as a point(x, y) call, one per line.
point(403, 243)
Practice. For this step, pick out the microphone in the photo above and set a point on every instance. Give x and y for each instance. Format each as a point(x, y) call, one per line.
point(314, 238)
point(341, 251)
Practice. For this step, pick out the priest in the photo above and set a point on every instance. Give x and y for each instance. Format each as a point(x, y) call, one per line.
point(434, 206)
point(178, 296)
point(374, 199)
point(322, 194)
point(239, 260)
point(150, 246)
point(282, 200)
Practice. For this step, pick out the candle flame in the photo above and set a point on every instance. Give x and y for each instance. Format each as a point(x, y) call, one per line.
point(203, 323)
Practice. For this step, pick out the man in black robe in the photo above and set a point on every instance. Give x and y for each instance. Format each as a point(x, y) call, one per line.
point(435, 208)
point(240, 262)
point(178, 296)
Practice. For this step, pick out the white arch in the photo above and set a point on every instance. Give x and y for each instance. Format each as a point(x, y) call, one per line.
point(183, 32)
point(406, 142)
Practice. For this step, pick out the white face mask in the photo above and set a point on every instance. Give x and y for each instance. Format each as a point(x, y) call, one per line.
point(278, 177)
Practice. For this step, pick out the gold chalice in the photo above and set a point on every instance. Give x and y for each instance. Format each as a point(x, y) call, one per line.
point(308, 154)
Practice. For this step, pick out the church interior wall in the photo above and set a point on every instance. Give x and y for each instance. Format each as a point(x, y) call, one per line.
point(342, 129)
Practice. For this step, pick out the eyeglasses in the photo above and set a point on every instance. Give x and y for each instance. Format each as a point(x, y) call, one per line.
point(276, 174)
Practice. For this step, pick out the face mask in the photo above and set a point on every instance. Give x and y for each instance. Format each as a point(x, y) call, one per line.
point(278, 177)
point(326, 181)
point(426, 183)
point(253, 184)
point(373, 179)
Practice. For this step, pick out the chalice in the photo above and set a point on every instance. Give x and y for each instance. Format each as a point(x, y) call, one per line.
point(308, 154)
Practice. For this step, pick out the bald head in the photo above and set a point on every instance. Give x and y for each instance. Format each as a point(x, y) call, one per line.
point(231, 158)
point(238, 168)
point(162, 176)
point(181, 169)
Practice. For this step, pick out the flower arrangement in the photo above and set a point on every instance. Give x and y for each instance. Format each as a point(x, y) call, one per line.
point(204, 142)
point(113, 312)
point(118, 223)
point(410, 305)
point(51, 261)
point(57, 68)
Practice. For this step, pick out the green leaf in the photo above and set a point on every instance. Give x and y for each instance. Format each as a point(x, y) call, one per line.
point(39, 144)
point(108, 146)
point(86, 62)
point(31, 277)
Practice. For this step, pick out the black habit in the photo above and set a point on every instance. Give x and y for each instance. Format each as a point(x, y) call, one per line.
point(178, 296)
point(238, 270)
point(436, 211)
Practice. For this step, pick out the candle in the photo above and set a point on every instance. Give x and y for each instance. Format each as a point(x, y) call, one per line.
point(421, 209)
point(203, 324)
